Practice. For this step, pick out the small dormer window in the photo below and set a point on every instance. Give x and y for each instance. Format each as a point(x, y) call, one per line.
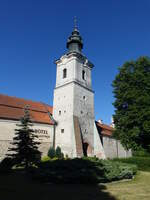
point(64, 73)
point(83, 74)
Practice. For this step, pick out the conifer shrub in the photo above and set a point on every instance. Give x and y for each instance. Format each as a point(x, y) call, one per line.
point(58, 153)
point(51, 152)
point(83, 170)
point(24, 149)
point(66, 156)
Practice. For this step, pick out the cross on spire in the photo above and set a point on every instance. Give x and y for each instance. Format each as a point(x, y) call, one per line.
point(75, 22)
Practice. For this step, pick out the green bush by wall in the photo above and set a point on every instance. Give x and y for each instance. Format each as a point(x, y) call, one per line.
point(83, 170)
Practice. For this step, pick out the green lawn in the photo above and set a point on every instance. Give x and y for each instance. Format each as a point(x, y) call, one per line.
point(17, 186)
point(137, 189)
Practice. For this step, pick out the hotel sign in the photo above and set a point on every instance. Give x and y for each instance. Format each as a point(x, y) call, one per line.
point(42, 133)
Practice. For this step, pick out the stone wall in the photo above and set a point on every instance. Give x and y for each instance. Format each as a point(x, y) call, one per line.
point(114, 149)
point(7, 130)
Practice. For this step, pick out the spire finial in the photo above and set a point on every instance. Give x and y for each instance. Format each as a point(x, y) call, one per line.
point(74, 42)
point(75, 22)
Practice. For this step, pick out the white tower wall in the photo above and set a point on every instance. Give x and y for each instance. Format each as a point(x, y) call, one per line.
point(73, 107)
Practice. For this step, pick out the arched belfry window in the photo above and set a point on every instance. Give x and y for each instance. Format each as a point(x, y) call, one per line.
point(83, 74)
point(64, 73)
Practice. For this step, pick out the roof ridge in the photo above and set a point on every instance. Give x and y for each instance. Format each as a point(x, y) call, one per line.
point(19, 107)
point(21, 98)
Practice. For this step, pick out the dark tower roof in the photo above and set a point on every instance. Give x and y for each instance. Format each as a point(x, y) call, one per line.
point(74, 42)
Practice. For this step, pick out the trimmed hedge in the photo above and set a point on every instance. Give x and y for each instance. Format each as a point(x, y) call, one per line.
point(142, 153)
point(142, 163)
point(82, 170)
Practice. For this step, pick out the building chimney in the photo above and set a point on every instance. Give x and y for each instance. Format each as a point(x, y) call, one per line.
point(100, 121)
point(112, 122)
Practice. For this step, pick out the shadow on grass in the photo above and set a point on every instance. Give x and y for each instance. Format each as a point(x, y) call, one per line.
point(19, 186)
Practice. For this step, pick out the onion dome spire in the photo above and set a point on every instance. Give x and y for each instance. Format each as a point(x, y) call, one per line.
point(74, 42)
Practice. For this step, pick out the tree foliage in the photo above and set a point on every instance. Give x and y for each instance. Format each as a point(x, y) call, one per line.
point(131, 89)
point(25, 145)
point(51, 152)
point(59, 154)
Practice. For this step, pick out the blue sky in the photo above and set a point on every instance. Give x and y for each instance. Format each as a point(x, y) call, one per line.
point(33, 34)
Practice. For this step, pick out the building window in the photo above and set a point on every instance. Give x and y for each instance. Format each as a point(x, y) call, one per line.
point(84, 97)
point(59, 112)
point(83, 74)
point(64, 73)
point(62, 130)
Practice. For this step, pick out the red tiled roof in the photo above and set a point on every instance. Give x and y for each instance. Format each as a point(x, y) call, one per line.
point(106, 130)
point(13, 108)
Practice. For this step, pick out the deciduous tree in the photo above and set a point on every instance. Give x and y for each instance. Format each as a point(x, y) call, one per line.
point(131, 89)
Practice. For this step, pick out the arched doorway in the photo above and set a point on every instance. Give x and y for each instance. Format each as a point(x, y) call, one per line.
point(87, 150)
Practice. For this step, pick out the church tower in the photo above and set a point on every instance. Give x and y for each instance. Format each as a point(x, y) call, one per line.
point(73, 106)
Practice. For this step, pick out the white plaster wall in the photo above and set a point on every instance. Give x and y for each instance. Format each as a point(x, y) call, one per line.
point(84, 109)
point(74, 67)
point(7, 132)
point(63, 101)
point(98, 148)
point(68, 64)
point(68, 99)
point(78, 74)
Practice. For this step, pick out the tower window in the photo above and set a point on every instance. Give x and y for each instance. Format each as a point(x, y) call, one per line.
point(64, 73)
point(59, 112)
point(62, 130)
point(83, 74)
